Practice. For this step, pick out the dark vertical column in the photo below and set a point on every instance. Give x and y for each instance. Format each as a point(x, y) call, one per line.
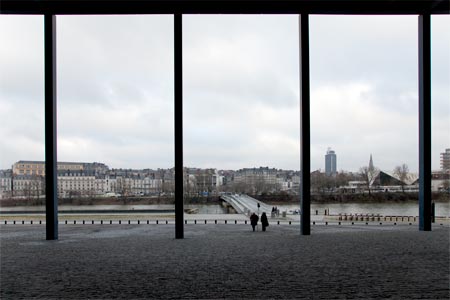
point(51, 202)
point(305, 139)
point(179, 205)
point(424, 123)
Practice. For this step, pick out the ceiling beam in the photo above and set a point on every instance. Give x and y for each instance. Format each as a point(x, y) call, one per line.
point(358, 7)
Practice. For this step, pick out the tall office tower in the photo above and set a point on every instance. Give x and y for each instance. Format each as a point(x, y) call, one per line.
point(445, 160)
point(330, 162)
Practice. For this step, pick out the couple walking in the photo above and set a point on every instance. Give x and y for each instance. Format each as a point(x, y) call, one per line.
point(254, 221)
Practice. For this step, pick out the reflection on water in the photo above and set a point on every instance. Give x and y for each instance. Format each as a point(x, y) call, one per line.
point(385, 209)
point(201, 209)
point(207, 209)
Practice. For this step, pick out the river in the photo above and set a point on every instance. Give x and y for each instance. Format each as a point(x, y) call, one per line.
point(385, 209)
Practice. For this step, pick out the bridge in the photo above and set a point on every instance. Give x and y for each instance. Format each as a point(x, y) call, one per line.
point(244, 204)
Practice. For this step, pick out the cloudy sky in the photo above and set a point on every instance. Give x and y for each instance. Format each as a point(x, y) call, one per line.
point(241, 90)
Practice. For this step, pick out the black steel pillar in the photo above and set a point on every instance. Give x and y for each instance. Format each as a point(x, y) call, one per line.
point(51, 175)
point(424, 123)
point(178, 69)
point(305, 139)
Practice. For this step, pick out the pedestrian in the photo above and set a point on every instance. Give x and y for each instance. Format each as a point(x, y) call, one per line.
point(254, 220)
point(264, 221)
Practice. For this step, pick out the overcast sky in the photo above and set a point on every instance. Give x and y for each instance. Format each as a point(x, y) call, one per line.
point(241, 90)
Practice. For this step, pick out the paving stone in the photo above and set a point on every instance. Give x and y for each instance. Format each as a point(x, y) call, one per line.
point(224, 262)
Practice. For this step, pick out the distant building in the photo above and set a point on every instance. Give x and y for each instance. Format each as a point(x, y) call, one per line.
point(76, 183)
point(385, 179)
point(5, 183)
point(257, 180)
point(26, 179)
point(203, 180)
point(27, 167)
point(445, 160)
point(28, 186)
point(330, 162)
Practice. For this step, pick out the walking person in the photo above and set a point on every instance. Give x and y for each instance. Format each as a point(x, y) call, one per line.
point(254, 220)
point(264, 221)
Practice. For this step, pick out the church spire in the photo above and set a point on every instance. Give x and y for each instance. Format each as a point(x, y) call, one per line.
point(371, 167)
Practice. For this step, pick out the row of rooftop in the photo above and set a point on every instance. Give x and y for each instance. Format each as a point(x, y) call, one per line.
point(80, 178)
point(37, 168)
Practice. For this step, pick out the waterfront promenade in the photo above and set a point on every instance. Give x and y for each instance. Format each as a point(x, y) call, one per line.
point(224, 262)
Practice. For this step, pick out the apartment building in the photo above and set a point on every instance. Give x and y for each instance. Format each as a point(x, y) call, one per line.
point(5, 183)
point(140, 182)
point(257, 180)
point(28, 185)
point(445, 160)
point(76, 183)
point(78, 179)
point(28, 167)
point(251, 175)
point(204, 180)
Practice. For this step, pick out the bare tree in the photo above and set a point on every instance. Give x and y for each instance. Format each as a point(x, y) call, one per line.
point(446, 185)
point(316, 182)
point(28, 190)
point(322, 182)
point(259, 185)
point(37, 188)
point(342, 178)
point(368, 174)
point(241, 187)
point(123, 188)
point(188, 184)
point(90, 193)
point(168, 186)
point(402, 173)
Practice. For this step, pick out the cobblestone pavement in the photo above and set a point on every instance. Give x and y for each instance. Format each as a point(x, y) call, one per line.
point(224, 261)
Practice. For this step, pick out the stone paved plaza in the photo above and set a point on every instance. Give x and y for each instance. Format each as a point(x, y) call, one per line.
point(224, 262)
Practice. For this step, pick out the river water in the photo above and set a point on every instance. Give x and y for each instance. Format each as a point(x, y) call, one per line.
point(384, 209)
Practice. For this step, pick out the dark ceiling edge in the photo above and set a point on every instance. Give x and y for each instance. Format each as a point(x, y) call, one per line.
point(93, 7)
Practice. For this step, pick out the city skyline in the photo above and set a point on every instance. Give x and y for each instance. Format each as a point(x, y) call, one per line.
point(241, 107)
point(329, 166)
point(320, 168)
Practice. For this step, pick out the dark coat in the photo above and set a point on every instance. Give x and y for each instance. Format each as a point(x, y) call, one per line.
point(254, 219)
point(264, 220)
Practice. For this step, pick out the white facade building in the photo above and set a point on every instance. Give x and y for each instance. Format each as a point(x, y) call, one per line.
point(28, 185)
point(5, 182)
point(72, 183)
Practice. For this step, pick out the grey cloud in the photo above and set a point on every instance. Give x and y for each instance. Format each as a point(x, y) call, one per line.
point(21, 62)
point(347, 47)
point(114, 57)
point(242, 57)
point(241, 93)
